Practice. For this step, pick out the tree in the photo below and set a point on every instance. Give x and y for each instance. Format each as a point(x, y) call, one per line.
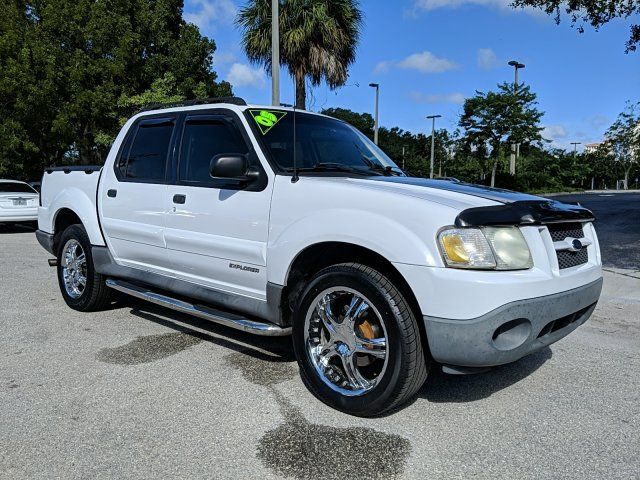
point(493, 118)
point(622, 143)
point(594, 12)
point(70, 70)
point(318, 39)
point(362, 121)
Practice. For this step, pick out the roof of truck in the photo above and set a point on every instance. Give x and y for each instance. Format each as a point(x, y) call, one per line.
point(235, 103)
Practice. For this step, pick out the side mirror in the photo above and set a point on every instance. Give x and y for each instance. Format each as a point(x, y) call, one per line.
point(233, 167)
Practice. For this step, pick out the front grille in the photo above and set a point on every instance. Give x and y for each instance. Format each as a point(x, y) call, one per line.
point(568, 259)
point(560, 231)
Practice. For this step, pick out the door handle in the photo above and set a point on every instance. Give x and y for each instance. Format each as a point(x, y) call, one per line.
point(179, 199)
point(112, 193)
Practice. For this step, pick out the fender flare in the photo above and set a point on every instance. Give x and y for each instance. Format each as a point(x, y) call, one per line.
point(78, 202)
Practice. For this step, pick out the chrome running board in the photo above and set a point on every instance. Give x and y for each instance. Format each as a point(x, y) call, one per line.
point(218, 316)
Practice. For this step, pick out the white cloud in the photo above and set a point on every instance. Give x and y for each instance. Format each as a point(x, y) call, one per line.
point(554, 132)
point(242, 75)
point(487, 59)
point(429, 5)
point(455, 97)
point(208, 13)
point(383, 67)
point(223, 58)
point(502, 5)
point(427, 62)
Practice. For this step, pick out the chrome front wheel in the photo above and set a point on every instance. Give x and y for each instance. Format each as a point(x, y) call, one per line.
point(346, 341)
point(74, 268)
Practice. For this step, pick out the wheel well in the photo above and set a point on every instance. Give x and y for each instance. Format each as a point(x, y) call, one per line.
point(321, 255)
point(64, 218)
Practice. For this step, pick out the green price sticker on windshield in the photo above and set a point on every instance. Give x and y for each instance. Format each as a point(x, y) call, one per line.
point(266, 119)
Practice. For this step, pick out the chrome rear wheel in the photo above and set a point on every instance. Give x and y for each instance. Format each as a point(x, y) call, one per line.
point(74, 268)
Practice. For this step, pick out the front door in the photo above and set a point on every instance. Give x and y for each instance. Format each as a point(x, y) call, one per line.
point(216, 229)
point(133, 196)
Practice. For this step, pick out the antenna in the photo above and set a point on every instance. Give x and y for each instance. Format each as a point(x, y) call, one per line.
point(295, 176)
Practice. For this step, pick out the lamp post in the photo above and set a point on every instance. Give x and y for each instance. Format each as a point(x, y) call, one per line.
point(375, 128)
point(512, 159)
point(433, 131)
point(275, 53)
point(575, 147)
point(403, 148)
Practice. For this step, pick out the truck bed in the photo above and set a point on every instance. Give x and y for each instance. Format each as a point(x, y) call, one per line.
point(69, 187)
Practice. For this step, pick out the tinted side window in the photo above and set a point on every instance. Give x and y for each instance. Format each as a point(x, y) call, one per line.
point(147, 157)
point(202, 140)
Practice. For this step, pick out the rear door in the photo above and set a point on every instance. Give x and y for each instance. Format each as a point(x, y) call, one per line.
point(216, 229)
point(133, 195)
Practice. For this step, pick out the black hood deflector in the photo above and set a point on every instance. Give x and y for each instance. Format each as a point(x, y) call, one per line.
point(538, 212)
point(516, 209)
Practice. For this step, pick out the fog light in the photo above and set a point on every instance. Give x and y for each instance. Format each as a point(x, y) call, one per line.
point(512, 334)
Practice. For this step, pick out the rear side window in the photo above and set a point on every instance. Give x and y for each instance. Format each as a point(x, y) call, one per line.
point(145, 159)
point(204, 138)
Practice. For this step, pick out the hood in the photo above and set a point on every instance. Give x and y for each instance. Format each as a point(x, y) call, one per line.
point(480, 191)
point(480, 205)
point(428, 190)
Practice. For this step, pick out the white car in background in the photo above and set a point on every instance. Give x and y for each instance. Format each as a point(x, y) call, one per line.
point(18, 202)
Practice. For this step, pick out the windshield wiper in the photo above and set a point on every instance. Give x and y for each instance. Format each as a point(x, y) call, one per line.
point(375, 166)
point(387, 171)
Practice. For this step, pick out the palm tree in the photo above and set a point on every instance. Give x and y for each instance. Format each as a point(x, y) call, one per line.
point(318, 39)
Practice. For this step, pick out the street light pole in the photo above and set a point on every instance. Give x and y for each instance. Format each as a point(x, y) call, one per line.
point(575, 147)
point(433, 131)
point(512, 160)
point(275, 53)
point(375, 128)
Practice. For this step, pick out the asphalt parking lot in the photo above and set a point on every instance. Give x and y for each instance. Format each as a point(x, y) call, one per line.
point(617, 223)
point(142, 392)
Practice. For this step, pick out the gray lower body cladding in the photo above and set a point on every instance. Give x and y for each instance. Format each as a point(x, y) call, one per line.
point(511, 331)
point(269, 310)
point(46, 241)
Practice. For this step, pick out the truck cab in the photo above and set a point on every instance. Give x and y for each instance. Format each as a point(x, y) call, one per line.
point(281, 222)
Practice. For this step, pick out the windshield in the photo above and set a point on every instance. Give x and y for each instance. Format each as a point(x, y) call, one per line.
point(15, 187)
point(322, 143)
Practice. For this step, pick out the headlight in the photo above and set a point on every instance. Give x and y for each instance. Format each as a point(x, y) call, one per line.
point(489, 248)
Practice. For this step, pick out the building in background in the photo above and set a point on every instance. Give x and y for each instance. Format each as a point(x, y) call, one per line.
point(591, 147)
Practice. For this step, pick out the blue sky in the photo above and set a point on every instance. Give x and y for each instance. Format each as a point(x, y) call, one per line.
point(428, 55)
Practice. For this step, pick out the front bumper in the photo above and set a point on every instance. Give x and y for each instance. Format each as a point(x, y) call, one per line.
point(511, 331)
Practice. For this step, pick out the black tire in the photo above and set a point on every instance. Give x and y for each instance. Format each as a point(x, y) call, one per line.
point(407, 367)
point(95, 295)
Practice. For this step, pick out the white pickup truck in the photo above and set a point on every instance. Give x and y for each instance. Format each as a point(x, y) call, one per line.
point(278, 222)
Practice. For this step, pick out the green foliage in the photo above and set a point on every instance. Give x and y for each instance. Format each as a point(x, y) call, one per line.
point(622, 145)
point(538, 170)
point(493, 118)
point(70, 71)
point(362, 121)
point(593, 12)
point(318, 39)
